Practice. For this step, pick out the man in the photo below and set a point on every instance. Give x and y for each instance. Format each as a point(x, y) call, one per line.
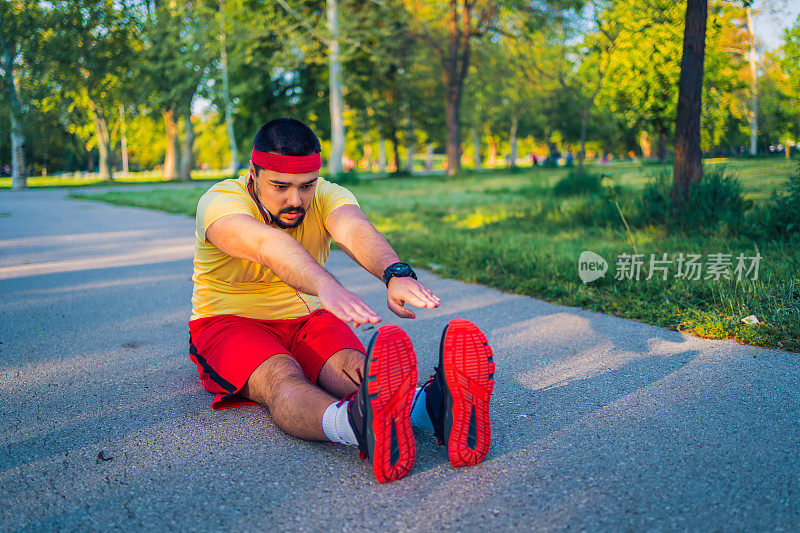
point(269, 323)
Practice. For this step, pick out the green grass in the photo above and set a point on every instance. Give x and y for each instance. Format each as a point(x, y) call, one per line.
point(91, 179)
point(509, 231)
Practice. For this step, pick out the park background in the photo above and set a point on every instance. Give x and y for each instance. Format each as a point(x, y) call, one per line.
point(491, 141)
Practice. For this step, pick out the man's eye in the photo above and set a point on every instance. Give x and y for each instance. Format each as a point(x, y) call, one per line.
point(281, 187)
point(307, 186)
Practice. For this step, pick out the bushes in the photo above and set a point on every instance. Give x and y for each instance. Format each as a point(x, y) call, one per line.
point(779, 217)
point(715, 203)
point(578, 183)
point(345, 178)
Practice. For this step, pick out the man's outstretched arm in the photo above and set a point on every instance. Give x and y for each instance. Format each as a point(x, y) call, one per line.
point(351, 230)
point(244, 237)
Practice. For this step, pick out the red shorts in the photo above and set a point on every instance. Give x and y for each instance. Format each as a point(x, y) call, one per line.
point(227, 348)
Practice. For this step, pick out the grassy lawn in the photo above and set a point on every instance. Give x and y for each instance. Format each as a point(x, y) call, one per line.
point(509, 231)
point(83, 179)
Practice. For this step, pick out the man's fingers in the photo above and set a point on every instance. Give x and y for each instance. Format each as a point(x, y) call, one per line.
point(365, 312)
point(400, 311)
point(428, 299)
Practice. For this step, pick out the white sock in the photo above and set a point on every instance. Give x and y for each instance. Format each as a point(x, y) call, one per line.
point(419, 413)
point(336, 425)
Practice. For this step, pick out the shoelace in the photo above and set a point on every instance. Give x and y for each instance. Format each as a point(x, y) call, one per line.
point(356, 383)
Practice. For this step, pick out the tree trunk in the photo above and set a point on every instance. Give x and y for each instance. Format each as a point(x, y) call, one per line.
point(662, 145)
point(395, 148)
point(752, 57)
point(123, 140)
point(187, 151)
point(513, 141)
point(455, 63)
point(381, 155)
point(453, 132)
point(429, 157)
point(491, 158)
point(103, 142)
point(171, 163)
point(476, 146)
point(688, 168)
point(225, 94)
point(19, 174)
point(584, 127)
point(335, 82)
point(644, 143)
point(411, 142)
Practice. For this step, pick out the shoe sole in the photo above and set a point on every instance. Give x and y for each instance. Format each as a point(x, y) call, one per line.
point(391, 374)
point(469, 372)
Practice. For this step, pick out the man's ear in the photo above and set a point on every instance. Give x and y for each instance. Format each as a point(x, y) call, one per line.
point(253, 173)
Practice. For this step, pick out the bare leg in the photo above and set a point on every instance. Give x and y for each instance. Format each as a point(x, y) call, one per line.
point(332, 377)
point(294, 403)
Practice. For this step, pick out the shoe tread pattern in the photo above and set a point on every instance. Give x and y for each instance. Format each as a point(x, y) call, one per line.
point(390, 386)
point(469, 371)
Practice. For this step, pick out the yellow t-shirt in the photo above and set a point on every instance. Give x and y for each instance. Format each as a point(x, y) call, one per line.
point(225, 285)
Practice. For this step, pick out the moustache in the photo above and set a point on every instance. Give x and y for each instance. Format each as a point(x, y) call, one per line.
point(298, 209)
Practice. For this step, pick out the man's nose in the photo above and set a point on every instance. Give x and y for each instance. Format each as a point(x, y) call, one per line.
point(294, 197)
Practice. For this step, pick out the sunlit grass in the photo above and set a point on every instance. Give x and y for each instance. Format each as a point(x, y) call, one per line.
point(82, 179)
point(510, 232)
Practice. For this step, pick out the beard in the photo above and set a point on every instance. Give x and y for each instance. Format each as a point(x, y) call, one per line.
point(294, 223)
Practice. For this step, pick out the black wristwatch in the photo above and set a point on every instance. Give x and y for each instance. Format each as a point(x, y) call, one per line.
point(398, 270)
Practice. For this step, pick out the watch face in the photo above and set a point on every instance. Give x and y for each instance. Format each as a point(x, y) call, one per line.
point(401, 270)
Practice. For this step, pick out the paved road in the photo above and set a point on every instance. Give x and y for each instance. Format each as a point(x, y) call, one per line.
point(600, 423)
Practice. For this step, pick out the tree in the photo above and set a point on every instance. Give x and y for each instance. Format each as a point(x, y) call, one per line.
point(688, 167)
point(178, 56)
point(223, 45)
point(790, 63)
point(335, 91)
point(19, 21)
point(93, 48)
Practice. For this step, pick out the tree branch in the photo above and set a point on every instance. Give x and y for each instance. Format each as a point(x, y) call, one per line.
point(301, 20)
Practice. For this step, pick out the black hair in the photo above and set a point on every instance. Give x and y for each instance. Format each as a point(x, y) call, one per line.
point(286, 136)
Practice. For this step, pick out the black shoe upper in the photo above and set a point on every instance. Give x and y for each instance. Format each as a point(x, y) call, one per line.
point(437, 399)
point(359, 410)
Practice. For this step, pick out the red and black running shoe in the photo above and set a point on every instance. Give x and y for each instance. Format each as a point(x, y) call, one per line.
point(380, 413)
point(457, 399)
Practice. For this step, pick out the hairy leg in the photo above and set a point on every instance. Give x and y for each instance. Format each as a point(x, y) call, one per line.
point(332, 377)
point(294, 403)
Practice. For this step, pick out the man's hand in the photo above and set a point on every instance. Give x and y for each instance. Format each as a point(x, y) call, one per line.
point(409, 290)
point(346, 305)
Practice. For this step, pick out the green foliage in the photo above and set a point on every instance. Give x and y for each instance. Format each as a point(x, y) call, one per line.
point(578, 183)
point(715, 203)
point(779, 217)
point(345, 178)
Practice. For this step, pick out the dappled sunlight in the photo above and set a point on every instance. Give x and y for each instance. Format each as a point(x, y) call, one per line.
point(483, 217)
point(168, 251)
point(51, 295)
point(542, 330)
point(70, 238)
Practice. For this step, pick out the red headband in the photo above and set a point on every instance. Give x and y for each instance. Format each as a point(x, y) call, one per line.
point(288, 164)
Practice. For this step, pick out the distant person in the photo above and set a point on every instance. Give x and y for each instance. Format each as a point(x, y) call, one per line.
point(269, 323)
point(570, 158)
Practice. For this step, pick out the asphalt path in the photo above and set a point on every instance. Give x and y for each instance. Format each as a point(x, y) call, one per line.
point(599, 423)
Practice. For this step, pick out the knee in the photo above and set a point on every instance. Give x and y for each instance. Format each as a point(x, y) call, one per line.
point(272, 380)
point(352, 361)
